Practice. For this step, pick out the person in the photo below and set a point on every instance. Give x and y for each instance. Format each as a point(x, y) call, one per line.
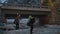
point(17, 21)
point(30, 23)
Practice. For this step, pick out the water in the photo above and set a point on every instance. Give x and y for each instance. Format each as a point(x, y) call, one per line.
point(38, 30)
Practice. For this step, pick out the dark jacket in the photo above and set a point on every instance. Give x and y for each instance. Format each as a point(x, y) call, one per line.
point(16, 21)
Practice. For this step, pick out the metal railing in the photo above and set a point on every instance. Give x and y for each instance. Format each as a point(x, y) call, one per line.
point(23, 5)
point(26, 5)
point(30, 5)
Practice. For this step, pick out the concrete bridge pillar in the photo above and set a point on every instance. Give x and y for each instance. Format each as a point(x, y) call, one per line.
point(2, 15)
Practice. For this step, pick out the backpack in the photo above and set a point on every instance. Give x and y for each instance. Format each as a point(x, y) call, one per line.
point(31, 21)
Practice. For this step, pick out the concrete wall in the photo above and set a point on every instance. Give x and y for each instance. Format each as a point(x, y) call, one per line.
point(57, 18)
point(54, 20)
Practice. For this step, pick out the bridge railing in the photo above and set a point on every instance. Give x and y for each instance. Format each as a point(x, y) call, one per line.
point(29, 6)
point(40, 4)
point(35, 4)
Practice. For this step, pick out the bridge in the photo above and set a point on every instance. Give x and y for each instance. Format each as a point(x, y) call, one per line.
point(24, 10)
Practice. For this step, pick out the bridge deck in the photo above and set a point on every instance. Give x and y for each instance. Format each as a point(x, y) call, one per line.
point(25, 8)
